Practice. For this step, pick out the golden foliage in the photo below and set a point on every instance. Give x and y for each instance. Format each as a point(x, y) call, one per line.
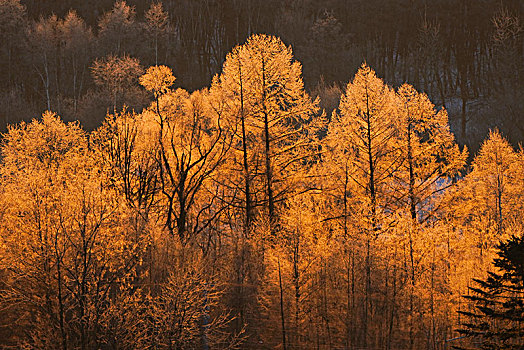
point(158, 79)
point(242, 207)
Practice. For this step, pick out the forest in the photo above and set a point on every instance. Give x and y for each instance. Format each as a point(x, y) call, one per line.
point(262, 174)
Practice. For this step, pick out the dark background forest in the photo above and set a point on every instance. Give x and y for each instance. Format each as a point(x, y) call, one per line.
point(466, 54)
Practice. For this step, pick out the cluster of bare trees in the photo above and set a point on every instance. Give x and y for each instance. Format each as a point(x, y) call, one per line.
point(466, 55)
point(241, 215)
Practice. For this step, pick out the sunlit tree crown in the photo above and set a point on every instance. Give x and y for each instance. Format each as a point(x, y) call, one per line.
point(158, 79)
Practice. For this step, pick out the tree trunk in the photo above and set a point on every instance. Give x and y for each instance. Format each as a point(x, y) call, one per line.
point(269, 173)
point(282, 307)
point(247, 179)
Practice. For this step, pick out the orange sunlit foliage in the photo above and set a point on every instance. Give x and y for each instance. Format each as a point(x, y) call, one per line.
point(240, 216)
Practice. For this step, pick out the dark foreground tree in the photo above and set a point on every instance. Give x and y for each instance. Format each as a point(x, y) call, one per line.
point(497, 318)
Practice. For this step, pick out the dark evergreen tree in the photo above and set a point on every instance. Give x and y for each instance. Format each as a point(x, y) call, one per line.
point(497, 317)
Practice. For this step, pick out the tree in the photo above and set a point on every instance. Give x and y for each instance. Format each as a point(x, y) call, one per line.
point(187, 313)
point(192, 145)
point(184, 312)
point(362, 154)
point(44, 36)
point(125, 147)
point(304, 262)
point(489, 199)
point(508, 71)
point(497, 302)
point(117, 29)
point(430, 58)
point(327, 46)
point(12, 26)
point(430, 152)
point(117, 76)
point(76, 47)
point(431, 158)
point(270, 118)
point(265, 98)
point(157, 26)
point(363, 134)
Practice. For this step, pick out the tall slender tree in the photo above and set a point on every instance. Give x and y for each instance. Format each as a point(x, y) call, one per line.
point(489, 200)
point(273, 113)
point(157, 26)
point(362, 144)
